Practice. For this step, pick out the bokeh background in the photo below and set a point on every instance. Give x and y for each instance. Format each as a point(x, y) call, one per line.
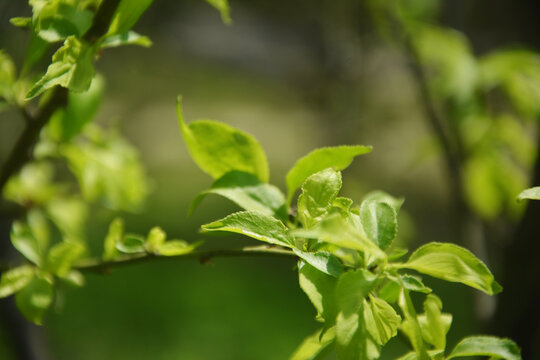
point(297, 75)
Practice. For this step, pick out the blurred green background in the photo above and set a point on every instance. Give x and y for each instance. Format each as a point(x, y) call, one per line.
point(297, 75)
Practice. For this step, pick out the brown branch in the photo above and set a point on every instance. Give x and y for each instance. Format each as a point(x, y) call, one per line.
point(203, 256)
point(23, 149)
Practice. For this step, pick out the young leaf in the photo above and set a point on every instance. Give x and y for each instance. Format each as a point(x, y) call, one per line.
point(114, 236)
point(7, 76)
point(315, 346)
point(176, 247)
point(15, 279)
point(69, 215)
point(247, 191)
point(410, 325)
point(433, 323)
point(414, 283)
point(127, 38)
point(219, 148)
point(532, 194)
point(68, 122)
point(72, 67)
point(323, 261)
point(223, 7)
point(337, 158)
point(126, 15)
point(352, 337)
point(34, 299)
point(379, 221)
point(62, 256)
point(131, 244)
point(156, 237)
point(336, 230)
point(382, 321)
point(486, 346)
point(255, 225)
point(24, 240)
point(453, 263)
point(320, 288)
point(318, 194)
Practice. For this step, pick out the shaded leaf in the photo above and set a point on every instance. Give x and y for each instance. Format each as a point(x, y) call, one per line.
point(34, 299)
point(15, 279)
point(320, 288)
point(379, 221)
point(126, 15)
point(255, 225)
point(323, 261)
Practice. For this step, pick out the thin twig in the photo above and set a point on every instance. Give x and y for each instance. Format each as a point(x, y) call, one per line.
point(99, 266)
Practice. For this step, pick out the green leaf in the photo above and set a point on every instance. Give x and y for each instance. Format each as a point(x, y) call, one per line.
point(7, 76)
point(26, 242)
point(255, 225)
point(131, 244)
point(318, 193)
point(379, 221)
point(33, 185)
point(248, 192)
point(21, 21)
point(126, 15)
point(336, 230)
point(127, 38)
point(223, 7)
point(114, 236)
point(107, 168)
point(34, 299)
point(55, 20)
point(532, 194)
point(81, 109)
point(410, 325)
point(70, 216)
point(382, 321)
point(453, 263)
point(337, 158)
point(390, 290)
point(72, 67)
point(62, 256)
point(156, 237)
point(219, 148)
point(74, 278)
point(15, 279)
point(315, 346)
point(352, 338)
point(434, 324)
point(323, 261)
point(320, 288)
point(414, 283)
point(486, 346)
point(177, 247)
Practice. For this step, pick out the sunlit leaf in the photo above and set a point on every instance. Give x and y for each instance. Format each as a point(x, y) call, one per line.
point(156, 237)
point(218, 148)
point(319, 287)
point(486, 346)
point(532, 194)
point(315, 347)
point(72, 67)
point(126, 15)
point(255, 225)
point(379, 221)
point(127, 38)
point(62, 256)
point(318, 193)
point(453, 263)
point(176, 247)
point(248, 192)
point(223, 7)
point(433, 323)
point(114, 236)
point(131, 244)
point(337, 158)
point(381, 320)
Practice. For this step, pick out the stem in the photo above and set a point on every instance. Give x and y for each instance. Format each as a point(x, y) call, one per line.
point(98, 266)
